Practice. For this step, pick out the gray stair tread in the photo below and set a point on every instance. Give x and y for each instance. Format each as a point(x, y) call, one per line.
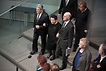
point(18, 48)
point(28, 34)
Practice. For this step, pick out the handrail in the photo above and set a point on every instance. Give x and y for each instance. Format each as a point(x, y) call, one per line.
point(12, 61)
point(12, 8)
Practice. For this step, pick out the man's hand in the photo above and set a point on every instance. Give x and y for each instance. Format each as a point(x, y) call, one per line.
point(44, 24)
point(57, 35)
point(37, 26)
point(59, 15)
point(85, 31)
point(68, 48)
point(33, 28)
point(98, 66)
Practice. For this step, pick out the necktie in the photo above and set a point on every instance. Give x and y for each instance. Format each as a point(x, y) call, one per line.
point(63, 25)
point(66, 2)
point(38, 16)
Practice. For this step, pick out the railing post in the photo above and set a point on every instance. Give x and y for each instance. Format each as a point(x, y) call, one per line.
point(16, 68)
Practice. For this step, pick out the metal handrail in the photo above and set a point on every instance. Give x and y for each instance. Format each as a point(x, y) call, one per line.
point(12, 61)
point(12, 8)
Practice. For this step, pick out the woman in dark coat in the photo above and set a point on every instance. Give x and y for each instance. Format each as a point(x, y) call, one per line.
point(81, 23)
point(53, 28)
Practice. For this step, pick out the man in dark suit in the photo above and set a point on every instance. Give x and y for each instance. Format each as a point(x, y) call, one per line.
point(41, 21)
point(65, 38)
point(99, 64)
point(68, 6)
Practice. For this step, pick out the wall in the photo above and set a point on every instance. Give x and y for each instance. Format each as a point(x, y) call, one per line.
point(49, 6)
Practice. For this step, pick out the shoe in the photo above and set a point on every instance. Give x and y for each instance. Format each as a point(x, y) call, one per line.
point(33, 52)
point(41, 53)
point(74, 50)
point(49, 55)
point(57, 56)
point(52, 57)
point(29, 56)
point(62, 68)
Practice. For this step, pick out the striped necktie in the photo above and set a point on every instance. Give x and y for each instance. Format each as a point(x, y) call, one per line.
point(66, 2)
point(63, 25)
point(38, 16)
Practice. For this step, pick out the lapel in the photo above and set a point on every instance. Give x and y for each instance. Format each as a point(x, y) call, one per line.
point(67, 3)
point(84, 52)
point(40, 17)
point(104, 59)
point(64, 28)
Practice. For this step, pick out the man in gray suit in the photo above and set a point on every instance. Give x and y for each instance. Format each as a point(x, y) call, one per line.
point(65, 38)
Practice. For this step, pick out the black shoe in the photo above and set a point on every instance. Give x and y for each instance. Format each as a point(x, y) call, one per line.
point(33, 52)
point(29, 56)
point(49, 56)
point(62, 67)
point(74, 50)
point(57, 56)
point(41, 53)
point(52, 57)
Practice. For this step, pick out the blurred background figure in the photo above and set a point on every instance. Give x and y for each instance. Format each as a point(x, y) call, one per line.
point(55, 67)
point(53, 29)
point(68, 6)
point(81, 23)
point(82, 57)
point(99, 64)
point(42, 64)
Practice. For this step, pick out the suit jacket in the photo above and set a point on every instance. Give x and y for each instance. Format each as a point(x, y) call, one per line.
point(102, 63)
point(66, 36)
point(70, 7)
point(44, 18)
point(84, 60)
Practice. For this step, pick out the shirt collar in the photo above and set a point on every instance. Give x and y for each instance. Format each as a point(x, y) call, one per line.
point(40, 14)
point(67, 22)
point(102, 57)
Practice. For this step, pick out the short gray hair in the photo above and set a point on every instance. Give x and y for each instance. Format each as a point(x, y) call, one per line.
point(68, 14)
point(39, 6)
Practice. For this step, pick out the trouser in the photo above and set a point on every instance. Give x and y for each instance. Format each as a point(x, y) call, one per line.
point(35, 42)
point(64, 57)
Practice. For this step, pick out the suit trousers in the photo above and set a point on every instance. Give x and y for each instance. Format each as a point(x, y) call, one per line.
point(64, 57)
point(35, 42)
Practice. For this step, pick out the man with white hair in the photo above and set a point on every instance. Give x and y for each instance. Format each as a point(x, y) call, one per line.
point(65, 38)
point(99, 64)
point(41, 21)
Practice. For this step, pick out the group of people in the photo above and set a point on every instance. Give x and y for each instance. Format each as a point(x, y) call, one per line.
point(60, 36)
point(42, 65)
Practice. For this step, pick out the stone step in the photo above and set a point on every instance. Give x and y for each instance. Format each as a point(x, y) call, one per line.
point(28, 34)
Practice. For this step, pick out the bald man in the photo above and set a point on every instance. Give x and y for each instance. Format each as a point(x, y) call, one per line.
point(65, 38)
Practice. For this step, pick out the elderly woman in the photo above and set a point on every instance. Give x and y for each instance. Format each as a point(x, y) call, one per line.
point(81, 23)
point(53, 29)
point(83, 57)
